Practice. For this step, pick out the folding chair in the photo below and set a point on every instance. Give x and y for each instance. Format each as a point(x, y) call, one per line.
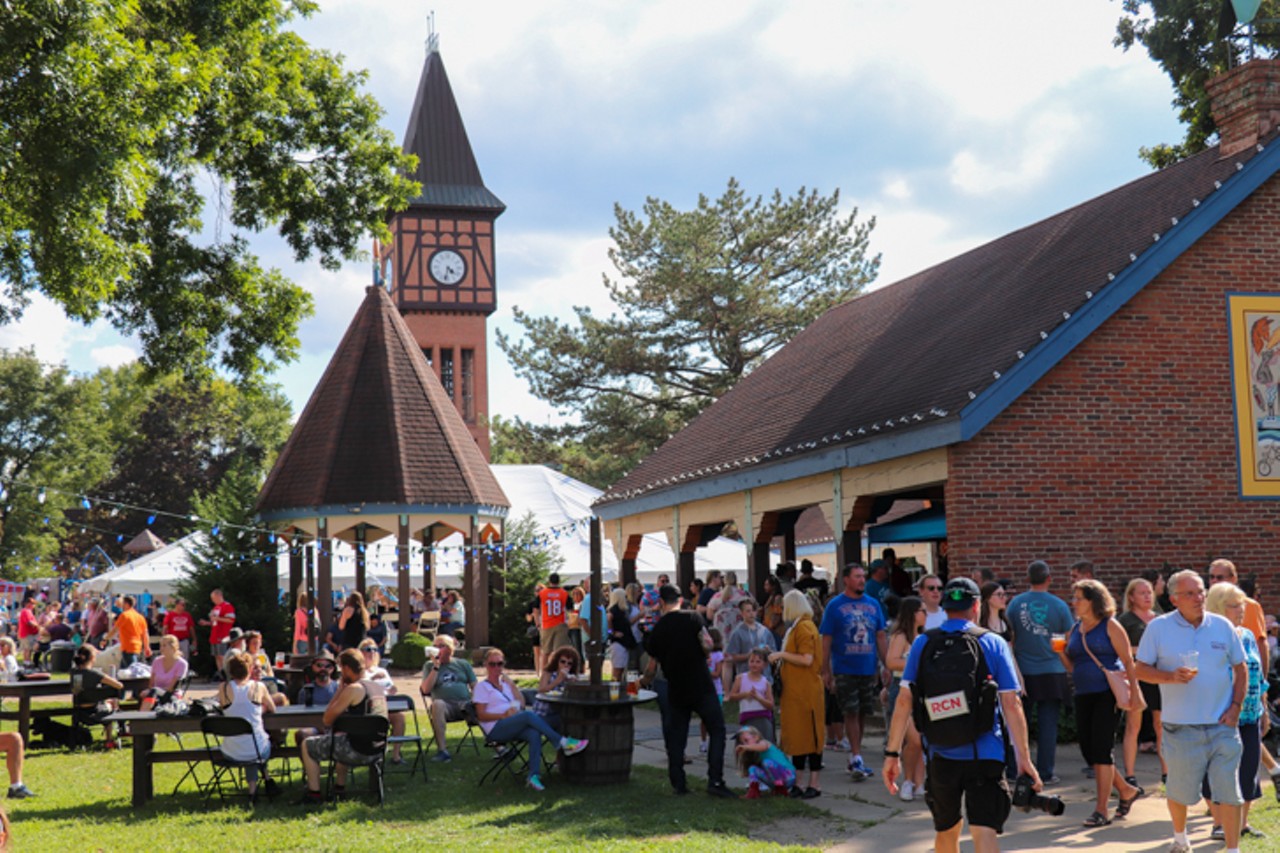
point(368, 728)
point(473, 726)
point(85, 713)
point(403, 703)
point(429, 624)
point(231, 770)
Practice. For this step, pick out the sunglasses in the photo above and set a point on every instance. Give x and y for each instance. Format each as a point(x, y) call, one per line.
point(495, 663)
point(931, 588)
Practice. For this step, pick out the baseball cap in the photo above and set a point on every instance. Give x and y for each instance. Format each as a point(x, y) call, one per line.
point(960, 594)
point(234, 634)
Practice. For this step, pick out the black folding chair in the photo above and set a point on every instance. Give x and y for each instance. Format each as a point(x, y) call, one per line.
point(228, 770)
point(85, 713)
point(473, 726)
point(403, 703)
point(367, 729)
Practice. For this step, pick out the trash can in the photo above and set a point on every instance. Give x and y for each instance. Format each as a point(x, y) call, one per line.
point(61, 653)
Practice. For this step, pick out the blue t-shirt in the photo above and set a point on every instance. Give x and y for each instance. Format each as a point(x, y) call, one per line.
point(852, 624)
point(1086, 676)
point(1034, 616)
point(1203, 699)
point(876, 590)
point(1000, 663)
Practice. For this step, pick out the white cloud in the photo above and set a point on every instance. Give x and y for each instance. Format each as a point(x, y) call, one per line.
point(1021, 163)
point(114, 355)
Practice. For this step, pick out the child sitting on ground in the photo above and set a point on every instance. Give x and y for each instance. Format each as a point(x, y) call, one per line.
point(763, 763)
point(754, 694)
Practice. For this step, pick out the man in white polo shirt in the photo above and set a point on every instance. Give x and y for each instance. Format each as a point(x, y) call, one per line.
point(1198, 661)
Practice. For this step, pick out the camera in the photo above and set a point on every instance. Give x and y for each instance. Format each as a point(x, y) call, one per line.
point(1026, 798)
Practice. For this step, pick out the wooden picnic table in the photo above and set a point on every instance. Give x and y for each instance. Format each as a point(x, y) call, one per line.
point(24, 690)
point(145, 725)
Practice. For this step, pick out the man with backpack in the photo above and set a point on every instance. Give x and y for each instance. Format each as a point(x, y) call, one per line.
point(961, 687)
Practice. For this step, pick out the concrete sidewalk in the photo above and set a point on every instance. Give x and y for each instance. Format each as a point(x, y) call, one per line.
point(877, 821)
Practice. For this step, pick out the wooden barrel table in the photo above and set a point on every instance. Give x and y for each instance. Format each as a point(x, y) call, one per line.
point(589, 712)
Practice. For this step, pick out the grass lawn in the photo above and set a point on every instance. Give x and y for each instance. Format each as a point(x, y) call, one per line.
point(83, 803)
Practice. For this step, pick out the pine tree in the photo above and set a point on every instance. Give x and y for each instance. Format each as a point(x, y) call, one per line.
point(241, 563)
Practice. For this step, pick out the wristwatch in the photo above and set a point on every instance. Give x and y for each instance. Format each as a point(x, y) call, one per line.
point(889, 753)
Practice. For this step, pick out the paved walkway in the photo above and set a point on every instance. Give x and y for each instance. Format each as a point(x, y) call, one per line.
point(881, 822)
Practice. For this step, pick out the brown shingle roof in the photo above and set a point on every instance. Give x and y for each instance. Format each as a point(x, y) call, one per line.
point(915, 352)
point(144, 543)
point(379, 429)
point(447, 167)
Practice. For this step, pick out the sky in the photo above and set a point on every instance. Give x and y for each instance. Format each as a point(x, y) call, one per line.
point(950, 123)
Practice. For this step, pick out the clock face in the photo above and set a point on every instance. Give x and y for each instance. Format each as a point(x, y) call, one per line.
point(447, 267)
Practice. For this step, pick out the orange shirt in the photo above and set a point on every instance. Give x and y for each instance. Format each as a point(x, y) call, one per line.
point(554, 604)
point(132, 627)
point(1255, 621)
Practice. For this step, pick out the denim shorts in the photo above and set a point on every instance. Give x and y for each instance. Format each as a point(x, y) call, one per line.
point(1194, 751)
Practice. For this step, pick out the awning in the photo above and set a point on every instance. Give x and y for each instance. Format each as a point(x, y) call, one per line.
point(927, 525)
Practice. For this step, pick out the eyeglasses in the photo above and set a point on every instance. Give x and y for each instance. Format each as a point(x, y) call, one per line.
point(495, 663)
point(931, 588)
point(1214, 577)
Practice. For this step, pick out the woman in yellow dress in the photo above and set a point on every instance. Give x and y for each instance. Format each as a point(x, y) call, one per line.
point(801, 708)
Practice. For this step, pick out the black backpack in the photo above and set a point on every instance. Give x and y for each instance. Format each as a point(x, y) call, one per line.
point(954, 695)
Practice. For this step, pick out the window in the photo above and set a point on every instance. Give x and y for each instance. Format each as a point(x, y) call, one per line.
point(468, 385)
point(446, 371)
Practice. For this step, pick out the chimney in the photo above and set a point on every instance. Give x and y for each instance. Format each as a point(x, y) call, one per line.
point(1245, 103)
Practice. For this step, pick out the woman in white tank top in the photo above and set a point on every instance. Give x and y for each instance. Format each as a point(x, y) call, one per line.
point(248, 700)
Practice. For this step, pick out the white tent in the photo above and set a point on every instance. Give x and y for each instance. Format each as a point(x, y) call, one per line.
point(561, 506)
point(157, 572)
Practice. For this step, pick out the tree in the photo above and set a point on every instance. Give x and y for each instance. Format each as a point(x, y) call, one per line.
point(51, 447)
point(240, 563)
point(528, 564)
point(1193, 41)
point(705, 295)
point(116, 119)
point(184, 437)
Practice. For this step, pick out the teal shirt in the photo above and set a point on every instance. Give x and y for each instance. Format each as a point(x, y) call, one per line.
point(1034, 616)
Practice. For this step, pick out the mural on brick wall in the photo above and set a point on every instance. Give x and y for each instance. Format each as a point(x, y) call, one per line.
point(1255, 354)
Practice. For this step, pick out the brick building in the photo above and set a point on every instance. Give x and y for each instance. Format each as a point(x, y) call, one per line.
point(1071, 390)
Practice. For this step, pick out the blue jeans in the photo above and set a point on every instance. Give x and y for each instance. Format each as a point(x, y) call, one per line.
point(1047, 711)
point(707, 707)
point(530, 728)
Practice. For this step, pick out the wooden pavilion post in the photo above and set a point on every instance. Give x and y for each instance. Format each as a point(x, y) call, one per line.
point(595, 647)
point(403, 580)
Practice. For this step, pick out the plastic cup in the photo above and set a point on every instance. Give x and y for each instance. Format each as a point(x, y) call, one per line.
point(280, 658)
point(633, 684)
point(1058, 641)
point(613, 691)
point(1191, 660)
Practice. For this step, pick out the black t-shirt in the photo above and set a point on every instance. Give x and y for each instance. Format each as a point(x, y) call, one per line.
point(675, 642)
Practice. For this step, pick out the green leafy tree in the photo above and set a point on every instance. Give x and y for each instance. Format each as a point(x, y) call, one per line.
point(119, 117)
point(182, 440)
point(704, 296)
point(240, 563)
point(1193, 42)
point(527, 565)
point(52, 448)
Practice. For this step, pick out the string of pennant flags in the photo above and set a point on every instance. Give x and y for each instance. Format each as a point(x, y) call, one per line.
point(324, 547)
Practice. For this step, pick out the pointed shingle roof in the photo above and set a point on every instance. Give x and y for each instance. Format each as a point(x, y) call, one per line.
point(144, 543)
point(447, 167)
point(379, 429)
point(949, 347)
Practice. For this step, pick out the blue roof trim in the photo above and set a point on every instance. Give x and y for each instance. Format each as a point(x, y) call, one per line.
point(1000, 394)
point(878, 449)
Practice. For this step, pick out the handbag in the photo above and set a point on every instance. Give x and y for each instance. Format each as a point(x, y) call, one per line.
point(1118, 681)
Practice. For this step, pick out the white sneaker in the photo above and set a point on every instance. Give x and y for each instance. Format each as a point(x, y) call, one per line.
point(702, 748)
point(907, 791)
point(841, 745)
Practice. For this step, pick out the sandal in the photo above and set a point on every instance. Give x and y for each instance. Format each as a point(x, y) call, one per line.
point(1122, 808)
point(1097, 819)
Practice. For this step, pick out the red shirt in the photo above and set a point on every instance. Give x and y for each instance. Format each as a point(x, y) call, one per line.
point(27, 624)
point(179, 624)
point(218, 633)
point(555, 602)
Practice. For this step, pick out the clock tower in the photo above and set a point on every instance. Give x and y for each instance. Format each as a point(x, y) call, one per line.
point(439, 268)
